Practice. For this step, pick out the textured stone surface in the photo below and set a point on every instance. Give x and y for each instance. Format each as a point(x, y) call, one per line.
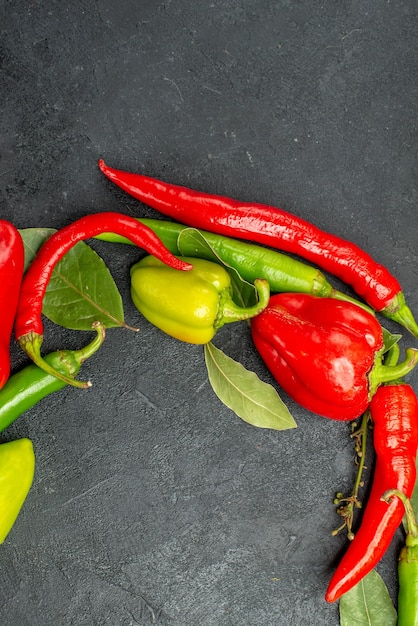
point(152, 502)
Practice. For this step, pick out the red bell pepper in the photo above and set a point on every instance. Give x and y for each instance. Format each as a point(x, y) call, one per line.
point(326, 354)
point(11, 272)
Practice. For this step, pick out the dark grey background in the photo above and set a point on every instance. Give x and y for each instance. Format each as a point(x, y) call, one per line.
point(152, 502)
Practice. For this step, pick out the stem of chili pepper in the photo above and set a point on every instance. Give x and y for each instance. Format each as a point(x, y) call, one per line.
point(277, 228)
point(28, 323)
point(28, 386)
point(284, 273)
point(408, 564)
point(346, 505)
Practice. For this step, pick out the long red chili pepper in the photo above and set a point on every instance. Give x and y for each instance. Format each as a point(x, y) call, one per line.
point(28, 324)
point(11, 272)
point(394, 410)
point(276, 228)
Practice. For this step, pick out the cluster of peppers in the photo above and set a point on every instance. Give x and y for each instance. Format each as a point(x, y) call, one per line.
point(325, 349)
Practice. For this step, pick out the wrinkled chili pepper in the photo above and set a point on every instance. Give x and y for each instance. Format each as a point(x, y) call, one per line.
point(11, 272)
point(28, 324)
point(190, 306)
point(28, 386)
point(17, 467)
point(277, 228)
point(394, 411)
point(283, 272)
point(326, 354)
point(407, 565)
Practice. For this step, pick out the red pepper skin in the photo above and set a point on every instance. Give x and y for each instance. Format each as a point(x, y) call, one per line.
point(394, 410)
point(276, 228)
point(320, 351)
point(28, 323)
point(11, 272)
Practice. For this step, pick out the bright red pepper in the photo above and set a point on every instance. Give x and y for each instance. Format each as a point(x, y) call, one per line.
point(394, 411)
point(276, 228)
point(11, 272)
point(28, 324)
point(326, 354)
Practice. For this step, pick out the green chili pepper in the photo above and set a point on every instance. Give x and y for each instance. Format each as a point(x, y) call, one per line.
point(284, 273)
point(408, 565)
point(190, 306)
point(27, 387)
point(17, 467)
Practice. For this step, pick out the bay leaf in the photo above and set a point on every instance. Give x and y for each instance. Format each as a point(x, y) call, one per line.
point(253, 400)
point(81, 289)
point(368, 604)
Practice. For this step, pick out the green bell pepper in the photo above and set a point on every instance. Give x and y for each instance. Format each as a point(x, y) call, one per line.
point(190, 306)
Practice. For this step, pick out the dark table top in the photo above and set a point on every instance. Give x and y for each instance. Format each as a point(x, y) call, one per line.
point(152, 502)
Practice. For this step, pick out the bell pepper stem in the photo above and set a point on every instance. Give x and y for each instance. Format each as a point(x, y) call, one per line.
point(388, 373)
point(31, 343)
point(231, 312)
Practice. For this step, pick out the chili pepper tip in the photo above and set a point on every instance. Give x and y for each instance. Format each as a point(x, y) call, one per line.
point(31, 344)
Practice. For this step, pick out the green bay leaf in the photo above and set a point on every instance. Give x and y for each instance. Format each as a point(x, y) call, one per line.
point(81, 289)
point(244, 393)
point(368, 603)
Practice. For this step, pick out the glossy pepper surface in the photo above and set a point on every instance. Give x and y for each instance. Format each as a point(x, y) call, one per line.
point(17, 467)
point(11, 272)
point(407, 565)
point(277, 228)
point(190, 306)
point(394, 411)
point(326, 354)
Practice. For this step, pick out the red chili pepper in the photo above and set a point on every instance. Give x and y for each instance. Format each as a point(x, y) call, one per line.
point(394, 410)
point(28, 324)
point(326, 354)
point(11, 272)
point(276, 228)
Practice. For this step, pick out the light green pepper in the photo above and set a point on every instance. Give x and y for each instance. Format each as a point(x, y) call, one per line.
point(190, 306)
point(17, 467)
